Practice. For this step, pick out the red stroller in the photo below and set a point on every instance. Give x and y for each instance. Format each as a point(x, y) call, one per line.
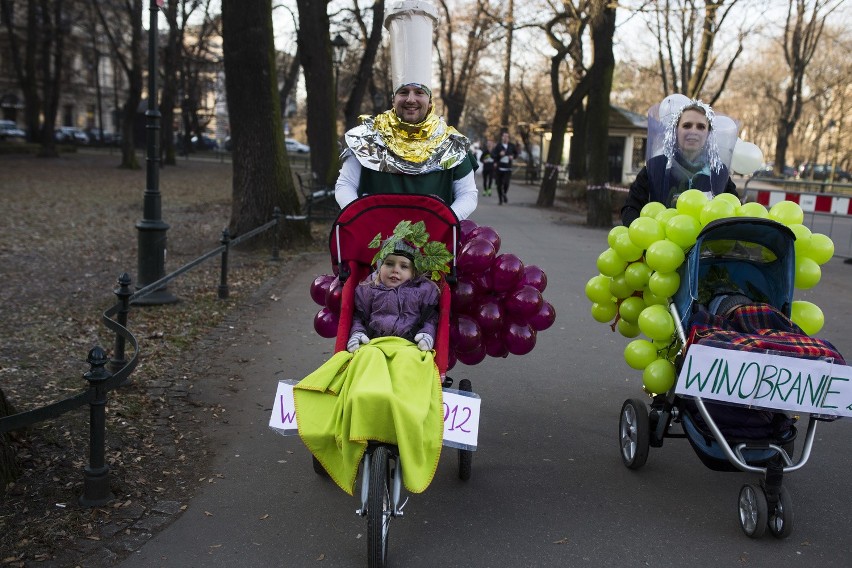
point(354, 228)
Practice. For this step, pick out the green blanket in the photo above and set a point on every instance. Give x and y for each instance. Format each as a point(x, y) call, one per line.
point(387, 391)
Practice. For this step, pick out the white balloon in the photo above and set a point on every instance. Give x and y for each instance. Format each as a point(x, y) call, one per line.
point(724, 124)
point(747, 158)
point(671, 105)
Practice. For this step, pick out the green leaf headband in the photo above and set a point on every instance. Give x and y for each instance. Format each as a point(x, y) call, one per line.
point(430, 257)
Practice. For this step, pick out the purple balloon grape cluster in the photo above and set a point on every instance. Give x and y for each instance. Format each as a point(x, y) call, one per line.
point(326, 290)
point(497, 304)
point(497, 307)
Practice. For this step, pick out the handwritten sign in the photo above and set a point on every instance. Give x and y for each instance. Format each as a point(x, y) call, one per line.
point(461, 415)
point(461, 419)
point(283, 419)
point(767, 380)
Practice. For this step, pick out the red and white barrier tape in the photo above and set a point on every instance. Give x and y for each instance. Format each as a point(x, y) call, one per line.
point(809, 202)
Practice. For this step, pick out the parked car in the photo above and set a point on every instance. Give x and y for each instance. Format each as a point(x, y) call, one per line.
point(296, 146)
point(9, 131)
point(70, 135)
point(204, 142)
point(768, 171)
point(94, 134)
point(822, 172)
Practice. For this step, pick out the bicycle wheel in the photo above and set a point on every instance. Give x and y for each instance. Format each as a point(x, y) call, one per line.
point(378, 508)
point(465, 456)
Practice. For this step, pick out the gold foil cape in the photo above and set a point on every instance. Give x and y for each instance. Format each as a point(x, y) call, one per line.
point(385, 143)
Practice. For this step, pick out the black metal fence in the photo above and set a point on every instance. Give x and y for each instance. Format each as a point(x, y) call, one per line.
point(107, 374)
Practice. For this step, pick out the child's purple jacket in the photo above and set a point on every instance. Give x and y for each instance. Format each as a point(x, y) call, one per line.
point(381, 311)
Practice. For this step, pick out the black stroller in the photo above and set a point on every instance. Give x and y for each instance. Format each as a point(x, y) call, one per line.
point(736, 284)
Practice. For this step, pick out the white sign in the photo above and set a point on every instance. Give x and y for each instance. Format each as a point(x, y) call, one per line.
point(777, 382)
point(461, 415)
point(461, 419)
point(283, 419)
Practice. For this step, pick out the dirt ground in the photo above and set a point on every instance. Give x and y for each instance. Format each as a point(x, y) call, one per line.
point(69, 233)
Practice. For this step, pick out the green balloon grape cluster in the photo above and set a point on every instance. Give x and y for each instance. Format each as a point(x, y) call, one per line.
point(638, 275)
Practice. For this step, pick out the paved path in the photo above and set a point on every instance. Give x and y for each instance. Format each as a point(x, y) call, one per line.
point(548, 486)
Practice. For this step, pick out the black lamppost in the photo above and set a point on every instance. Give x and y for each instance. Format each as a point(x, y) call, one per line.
point(151, 252)
point(339, 44)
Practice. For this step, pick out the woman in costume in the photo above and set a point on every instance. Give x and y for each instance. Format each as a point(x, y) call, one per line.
point(689, 147)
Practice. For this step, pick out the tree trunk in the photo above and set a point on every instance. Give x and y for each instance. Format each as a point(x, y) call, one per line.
point(363, 78)
point(507, 67)
point(23, 58)
point(564, 110)
point(458, 69)
point(315, 50)
point(171, 64)
point(134, 89)
point(289, 82)
point(262, 177)
point(8, 466)
point(598, 198)
point(802, 33)
point(52, 62)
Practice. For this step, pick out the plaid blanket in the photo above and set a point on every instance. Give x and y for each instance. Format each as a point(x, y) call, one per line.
point(758, 327)
point(753, 327)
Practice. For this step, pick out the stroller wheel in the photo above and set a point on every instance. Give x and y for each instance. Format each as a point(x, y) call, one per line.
point(634, 433)
point(753, 510)
point(781, 519)
point(318, 468)
point(465, 456)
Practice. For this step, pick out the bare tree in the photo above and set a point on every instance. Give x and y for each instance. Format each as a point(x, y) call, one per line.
point(507, 64)
point(315, 49)
point(126, 18)
point(598, 198)
point(687, 34)
point(200, 59)
point(362, 80)
point(289, 67)
point(802, 30)
point(37, 53)
point(458, 61)
point(171, 64)
point(564, 31)
point(262, 177)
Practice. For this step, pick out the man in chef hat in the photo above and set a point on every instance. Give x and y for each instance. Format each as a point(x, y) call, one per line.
point(408, 149)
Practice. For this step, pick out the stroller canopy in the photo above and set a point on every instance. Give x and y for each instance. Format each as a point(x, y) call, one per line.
point(739, 255)
point(361, 220)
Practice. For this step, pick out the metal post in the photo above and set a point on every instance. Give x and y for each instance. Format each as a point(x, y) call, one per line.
point(123, 293)
point(223, 279)
point(276, 234)
point(96, 474)
point(151, 250)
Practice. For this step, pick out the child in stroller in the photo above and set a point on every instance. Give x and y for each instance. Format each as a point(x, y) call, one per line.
point(736, 293)
point(385, 387)
point(378, 403)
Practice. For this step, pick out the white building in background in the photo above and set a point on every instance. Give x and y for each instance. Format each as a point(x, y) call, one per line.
point(628, 133)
